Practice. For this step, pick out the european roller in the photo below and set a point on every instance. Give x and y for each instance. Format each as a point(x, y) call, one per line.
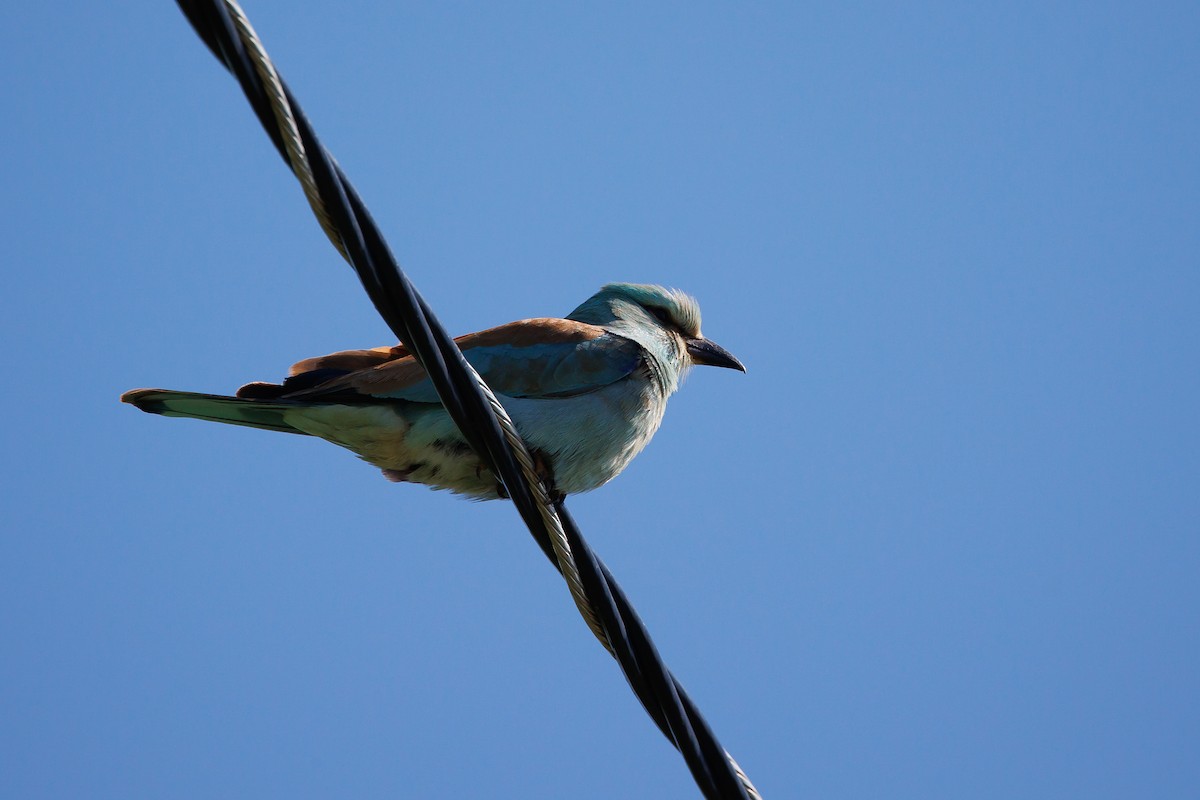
point(586, 393)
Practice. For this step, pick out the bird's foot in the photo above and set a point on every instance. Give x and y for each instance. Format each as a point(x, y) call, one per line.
point(541, 465)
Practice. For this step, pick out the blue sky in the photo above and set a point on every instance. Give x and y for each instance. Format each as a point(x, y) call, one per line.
point(939, 542)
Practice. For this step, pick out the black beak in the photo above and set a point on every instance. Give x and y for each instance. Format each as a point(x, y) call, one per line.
point(703, 351)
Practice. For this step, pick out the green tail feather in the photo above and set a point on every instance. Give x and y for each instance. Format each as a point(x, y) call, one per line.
point(214, 408)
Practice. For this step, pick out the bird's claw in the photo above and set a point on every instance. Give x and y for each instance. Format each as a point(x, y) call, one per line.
point(541, 465)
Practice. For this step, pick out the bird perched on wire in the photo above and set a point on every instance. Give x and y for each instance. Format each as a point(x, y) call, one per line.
point(586, 393)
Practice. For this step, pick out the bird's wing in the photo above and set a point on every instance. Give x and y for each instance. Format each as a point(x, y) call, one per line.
point(536, 358)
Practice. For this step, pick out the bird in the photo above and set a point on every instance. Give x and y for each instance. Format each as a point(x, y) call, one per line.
point(587, 393)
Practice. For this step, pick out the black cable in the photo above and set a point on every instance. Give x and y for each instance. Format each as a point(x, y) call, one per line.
point(410, 318)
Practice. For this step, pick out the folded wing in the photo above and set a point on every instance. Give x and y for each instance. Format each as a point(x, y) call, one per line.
point(533, 358)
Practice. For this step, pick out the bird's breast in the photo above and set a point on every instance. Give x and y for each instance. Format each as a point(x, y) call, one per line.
point(591, 437)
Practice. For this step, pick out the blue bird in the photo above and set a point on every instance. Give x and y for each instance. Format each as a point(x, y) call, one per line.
point(586, 393)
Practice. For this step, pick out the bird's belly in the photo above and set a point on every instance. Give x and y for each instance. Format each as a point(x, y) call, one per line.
point(410, 442)
point(586, 440)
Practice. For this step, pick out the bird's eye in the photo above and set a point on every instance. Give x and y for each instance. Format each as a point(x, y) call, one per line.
point(662, 316)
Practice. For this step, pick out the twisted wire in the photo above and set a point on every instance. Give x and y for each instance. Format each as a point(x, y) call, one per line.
point(614, 623)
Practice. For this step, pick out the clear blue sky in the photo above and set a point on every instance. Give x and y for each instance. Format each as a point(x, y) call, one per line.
point(941, 541)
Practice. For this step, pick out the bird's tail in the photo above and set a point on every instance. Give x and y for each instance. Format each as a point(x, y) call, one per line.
point(269, 416)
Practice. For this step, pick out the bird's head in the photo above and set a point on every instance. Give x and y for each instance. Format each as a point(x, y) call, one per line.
point(664, 321)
